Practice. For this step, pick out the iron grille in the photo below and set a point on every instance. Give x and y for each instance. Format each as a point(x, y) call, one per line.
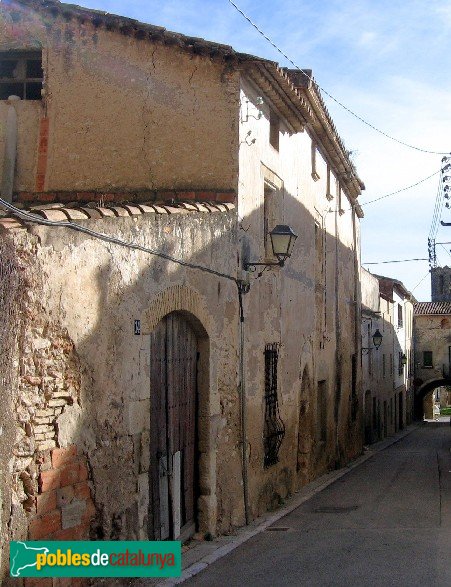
point(274, 427)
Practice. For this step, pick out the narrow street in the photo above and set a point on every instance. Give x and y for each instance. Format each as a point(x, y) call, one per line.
point(388, 522)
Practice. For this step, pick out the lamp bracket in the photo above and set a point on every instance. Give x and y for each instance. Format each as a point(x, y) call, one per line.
point(252, 267)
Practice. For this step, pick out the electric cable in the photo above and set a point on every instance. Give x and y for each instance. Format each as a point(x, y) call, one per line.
point(420, 282)
point(400, 190)
point(346, 108)
point(29, 217)
point(395, 261)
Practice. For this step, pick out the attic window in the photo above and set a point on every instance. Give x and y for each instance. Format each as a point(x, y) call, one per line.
point(21, 75)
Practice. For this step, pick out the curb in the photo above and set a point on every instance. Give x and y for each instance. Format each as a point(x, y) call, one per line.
point(260, 524)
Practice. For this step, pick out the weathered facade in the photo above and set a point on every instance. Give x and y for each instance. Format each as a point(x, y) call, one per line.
point(432, 333)
point(387, 372)
point(193, 151)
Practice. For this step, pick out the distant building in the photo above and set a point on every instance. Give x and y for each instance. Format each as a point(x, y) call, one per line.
point(441, 284)
point(387, 372)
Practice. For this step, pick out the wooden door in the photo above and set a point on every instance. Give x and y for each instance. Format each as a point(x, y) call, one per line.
point(173, 470)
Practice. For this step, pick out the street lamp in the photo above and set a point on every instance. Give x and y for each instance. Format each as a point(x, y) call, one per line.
point(377, 341)
point(282, 242)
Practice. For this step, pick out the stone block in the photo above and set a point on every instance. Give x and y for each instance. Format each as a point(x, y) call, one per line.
point(72, 514)
point(145, 452)
point(138, 416)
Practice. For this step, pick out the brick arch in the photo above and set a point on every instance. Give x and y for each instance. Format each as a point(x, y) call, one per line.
point(182, 299)
point(179, 298)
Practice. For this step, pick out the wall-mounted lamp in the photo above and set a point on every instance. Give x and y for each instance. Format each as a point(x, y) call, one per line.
point(377, 341)
point(403, 359)
point(258, 102)
point(282, 242)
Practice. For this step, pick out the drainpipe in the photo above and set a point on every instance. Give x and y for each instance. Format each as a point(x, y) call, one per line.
point(243, 412)
point(357, 317)
point(9, 159)
point(337, 340)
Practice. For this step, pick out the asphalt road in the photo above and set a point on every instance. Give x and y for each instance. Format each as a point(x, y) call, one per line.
point(388, 522)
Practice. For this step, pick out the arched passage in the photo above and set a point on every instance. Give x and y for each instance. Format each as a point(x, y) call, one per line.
point(423, 390)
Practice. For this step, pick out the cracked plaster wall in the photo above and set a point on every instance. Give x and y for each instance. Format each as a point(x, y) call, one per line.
point(81, 375)
point(142, 115)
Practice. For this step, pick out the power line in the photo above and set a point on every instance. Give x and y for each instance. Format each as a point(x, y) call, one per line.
point(396, 261)
point(29, 217)
point(378, 130)
point(401, 189)
point(420, 282)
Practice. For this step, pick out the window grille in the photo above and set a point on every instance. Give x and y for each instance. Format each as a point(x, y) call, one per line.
point(274, 431)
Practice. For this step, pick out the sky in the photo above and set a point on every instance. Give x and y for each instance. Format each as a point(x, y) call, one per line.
point(388, 61)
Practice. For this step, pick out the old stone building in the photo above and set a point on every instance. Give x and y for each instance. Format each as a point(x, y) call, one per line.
point(145, 394)
point(432, 331)
point(441, 284)
point(387, 371)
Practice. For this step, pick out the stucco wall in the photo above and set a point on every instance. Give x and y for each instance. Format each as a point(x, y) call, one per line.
point(280, 306)
point(125, 114)
point(82, 376)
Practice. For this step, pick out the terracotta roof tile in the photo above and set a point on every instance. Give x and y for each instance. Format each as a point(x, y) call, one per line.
point(427, 308)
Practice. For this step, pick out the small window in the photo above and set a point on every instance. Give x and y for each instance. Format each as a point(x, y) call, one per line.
point(400, 365)
point(315, 173)
point(427, 359)
point(400, 320)
point(21, 75)
point(274, 128)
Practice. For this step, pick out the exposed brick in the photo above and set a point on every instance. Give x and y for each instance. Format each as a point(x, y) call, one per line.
point(226, 197)
point(44, 196)
point(62, 456)
point(205, 196)
point(49, 480)
point(83, 472)
point(80, 532)
point(46, 502)
point(70, 474)
point(43, 526)
point(89, 512)
point(186, 195)
point(86, 196)
point(82, 490)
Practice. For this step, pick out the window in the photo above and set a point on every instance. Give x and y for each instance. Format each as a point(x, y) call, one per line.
point(400, 320)
point(21, 75)
point(315, 173)
point(400, 365)
point(329, 195)
point(270, 216)
point(274, 429)
point(383, 365)
point(427, 359)
point(274, 128)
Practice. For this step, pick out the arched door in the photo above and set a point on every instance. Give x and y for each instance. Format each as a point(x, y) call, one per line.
point(173, 426)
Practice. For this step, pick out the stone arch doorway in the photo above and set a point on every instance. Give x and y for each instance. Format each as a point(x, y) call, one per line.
point(423, 390)
point(179, 393)
point(305, 430)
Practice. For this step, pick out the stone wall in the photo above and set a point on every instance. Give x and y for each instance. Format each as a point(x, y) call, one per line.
point(75, 446)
